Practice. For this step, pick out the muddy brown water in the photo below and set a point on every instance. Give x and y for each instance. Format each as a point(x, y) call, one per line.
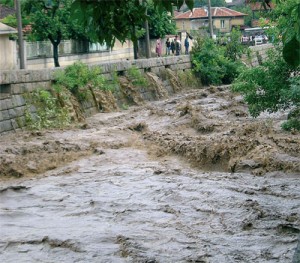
point(188, 179)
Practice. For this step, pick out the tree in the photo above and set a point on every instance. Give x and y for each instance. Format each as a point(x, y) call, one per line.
point(50, 19)
point(107, 20)
point(9, 3)
point(246, 10)
point(287, 17)
point(275, 85)
point(160, 23)
point(214, 3)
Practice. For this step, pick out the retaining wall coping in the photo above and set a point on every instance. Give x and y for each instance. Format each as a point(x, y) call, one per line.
point(39, 75)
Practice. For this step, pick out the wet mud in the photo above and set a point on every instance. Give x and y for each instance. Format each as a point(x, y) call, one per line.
point(189, 178)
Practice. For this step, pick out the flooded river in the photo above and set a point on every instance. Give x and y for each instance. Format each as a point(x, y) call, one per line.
point(188, 179)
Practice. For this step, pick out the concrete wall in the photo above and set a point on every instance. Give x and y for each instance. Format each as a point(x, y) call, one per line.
point(256, 52)
point(120, 51)
point(8, 55)
point(14, 84)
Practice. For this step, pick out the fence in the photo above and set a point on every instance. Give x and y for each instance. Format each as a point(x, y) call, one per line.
point(44, 49)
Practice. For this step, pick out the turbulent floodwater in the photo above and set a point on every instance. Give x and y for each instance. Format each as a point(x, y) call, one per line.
point(187, 179)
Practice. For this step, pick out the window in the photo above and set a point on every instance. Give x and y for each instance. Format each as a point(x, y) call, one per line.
point(222, 23)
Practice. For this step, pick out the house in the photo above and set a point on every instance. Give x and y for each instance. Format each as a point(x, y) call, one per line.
point(8, 49)
point(224, 19)
point(257, 9)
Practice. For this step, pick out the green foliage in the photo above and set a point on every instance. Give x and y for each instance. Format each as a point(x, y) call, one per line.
point(188, 79)
point(218, 3)
point(49, 113)
point(113, 83)
point(119, 19)
point(51, 20)
point(286, 19)
point(106, 21)
point(211, 62)
point(290, 27)
point(160, 23)
point(125, 106)
point(78, 77)
point(9, 3)
point(136, 77)
point(10, 20)
point(270, 87)
point(291, 124)
point(234, 48)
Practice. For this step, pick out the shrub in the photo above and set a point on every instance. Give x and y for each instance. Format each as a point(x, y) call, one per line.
point(49, 113)
point(136, 77)
point(210, 61)
point(271, 87)
point(78, 76)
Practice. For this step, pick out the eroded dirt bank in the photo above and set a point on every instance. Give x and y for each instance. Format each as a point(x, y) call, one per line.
point(187, 179)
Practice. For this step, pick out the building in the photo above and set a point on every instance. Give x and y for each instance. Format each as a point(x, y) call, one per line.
point(224, 19)
point(257, 9)
point(8, 48)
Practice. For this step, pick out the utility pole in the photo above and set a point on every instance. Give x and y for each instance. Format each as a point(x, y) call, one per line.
point(211, 30)
point(20, 34)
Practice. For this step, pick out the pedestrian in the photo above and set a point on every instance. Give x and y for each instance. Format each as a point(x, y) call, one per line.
point(158, 47)
point(186, 44)
point(177, 46)
point(173, 47)
point(168, 46)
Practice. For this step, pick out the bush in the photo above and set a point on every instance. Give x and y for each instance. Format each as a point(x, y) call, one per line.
point(270, 87)
point(78, 76)
point(210, 61)
point(49, 113)
point(136, 77)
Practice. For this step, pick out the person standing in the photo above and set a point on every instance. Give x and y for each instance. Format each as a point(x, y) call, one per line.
point(168, 47)
point(158, 47)
point(177, 46)
point(186, 44)
point(173, 47)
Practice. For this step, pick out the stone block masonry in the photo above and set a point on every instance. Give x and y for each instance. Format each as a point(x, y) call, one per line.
point(15, 83)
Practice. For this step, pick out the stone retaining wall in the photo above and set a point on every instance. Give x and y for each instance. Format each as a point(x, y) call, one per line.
point(14, 84)
point(256, 52)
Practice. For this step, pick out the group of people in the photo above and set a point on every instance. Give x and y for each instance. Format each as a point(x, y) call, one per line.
point(173, 46)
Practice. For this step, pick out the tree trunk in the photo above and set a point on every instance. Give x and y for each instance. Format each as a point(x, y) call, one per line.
point(135, 43)
point(55, 54)
point(147, 38)
point(55, 43)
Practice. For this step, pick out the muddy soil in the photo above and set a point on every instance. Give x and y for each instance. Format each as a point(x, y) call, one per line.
point(191, 178)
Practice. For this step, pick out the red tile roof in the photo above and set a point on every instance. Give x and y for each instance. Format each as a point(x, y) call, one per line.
point(216, 12)
point(260, 7)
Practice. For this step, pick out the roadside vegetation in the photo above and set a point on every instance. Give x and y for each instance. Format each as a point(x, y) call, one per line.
point(273, 85)
point(215, 63)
